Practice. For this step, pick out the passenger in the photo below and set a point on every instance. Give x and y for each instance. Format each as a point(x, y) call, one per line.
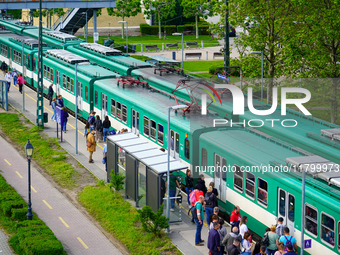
point(214, 219)
point(65, 116)
point(214, 240)
point(280, 227)
point(246, 244)
point(210, 203)
point(262, 250)
point(104, 161)
point(60, 101)
point(201, 184)
point(54, 105)
point(91, 119)
point(235, 217)
point(290, 250)
point(212, 184)
point(281, 249)
point(91, 144)
point(288, 239)
point(106, 127)
point(223, 233)
point(273, 241)
point(4, 67)
point(243, 226)
point(189, 185)
point(172, 189)
point(50, 93)
point(20, 82)
point(8, 79)
point(15, 76)
point(98, 125)
point(216, 211)
point(233, 249)
point(199, 221)
point(229, 239)
point(87, 129)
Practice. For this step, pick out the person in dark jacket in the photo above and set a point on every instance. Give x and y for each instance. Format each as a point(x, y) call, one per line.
point(228, 240)
point(4, 67)
point(214, 240)
point(50, 93)
point(60, 101)
point(232, 249)
point(65, 116)
point(91, 119)
point(212, 184)
point(98, 125)
point(189, 186)
point(210, 203)
point(201, 184)
point(106, 127)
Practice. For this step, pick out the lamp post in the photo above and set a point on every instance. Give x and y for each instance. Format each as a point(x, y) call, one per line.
point(23, 75)
point(176, 107)
point(85, 25)
point(109, 30)
point(127, 35)
point(29, 153)
point(182, 45)
point(258, 52)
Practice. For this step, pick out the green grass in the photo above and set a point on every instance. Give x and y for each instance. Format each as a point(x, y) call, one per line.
point(47, 151)
point(118, 217)
point(201, 65)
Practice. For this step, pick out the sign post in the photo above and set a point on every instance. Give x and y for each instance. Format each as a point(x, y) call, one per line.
point(60, 121)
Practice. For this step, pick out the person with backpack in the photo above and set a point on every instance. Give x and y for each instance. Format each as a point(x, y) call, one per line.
point(189, 185)
point(91, 119)
point(210, 203)
point(281, 249)
point(99, 126)
point(229, 238)
point(287, 239)
point(290, 249)
point(273, 241)
point(198, 218)
point(280, 227)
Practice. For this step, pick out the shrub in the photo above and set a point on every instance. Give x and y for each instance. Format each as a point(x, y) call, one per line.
point(154, 30)
point(117, 181)
point(144, 29)
point(186, 29)
point(170, 29)
point(212, 69)
point(153, 222)
point(19, 214)
point(203, 29)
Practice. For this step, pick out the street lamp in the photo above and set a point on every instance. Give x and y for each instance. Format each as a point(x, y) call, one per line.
point(260, 52)
point(127, 35)
point(176, 107)
point(182, 45)
point(85, 25)
point(109, 30)
point(29, 153)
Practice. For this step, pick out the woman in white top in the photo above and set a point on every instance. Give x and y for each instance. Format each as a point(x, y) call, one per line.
point(243, 226)
point(246, 244)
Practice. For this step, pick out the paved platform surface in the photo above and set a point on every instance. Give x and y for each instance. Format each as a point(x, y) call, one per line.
point(4, 246)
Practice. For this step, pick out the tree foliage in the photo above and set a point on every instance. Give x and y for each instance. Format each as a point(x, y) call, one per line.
point(117, 181)
point(162, 8)
point(125, 8)
point(153, 222)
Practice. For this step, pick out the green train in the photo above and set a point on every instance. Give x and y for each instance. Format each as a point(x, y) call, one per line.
point(262, 196)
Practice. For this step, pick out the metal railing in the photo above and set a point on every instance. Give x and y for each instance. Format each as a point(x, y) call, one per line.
point(61, 19)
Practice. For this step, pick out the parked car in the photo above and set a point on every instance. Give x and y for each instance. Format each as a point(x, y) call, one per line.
point(232, 32)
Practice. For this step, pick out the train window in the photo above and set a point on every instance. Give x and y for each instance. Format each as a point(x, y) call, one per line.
point(224, 169)
point(64, 81)
point(58, 77)
point(327, 229)
point(146, 126)
point(124, 114)
point(250, 185)
point(153, 130)
point(68, 83)
point(86, 93)
point(204, 158)
point(16, 56)
point(186, 148)
point(217, 165)
point(262, 191)
point(4, 50)
point(160, 134)
point(311, 220)
point(51, 74)
point(291, 207)
point(119, 109)
point(96, 98)
point(238, 178)
point(113, 107)
point(45, 72)
point(72, 85)
point(282, 207)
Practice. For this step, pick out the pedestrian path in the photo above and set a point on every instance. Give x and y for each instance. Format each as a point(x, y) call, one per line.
point(4, 246)
point(76, 232)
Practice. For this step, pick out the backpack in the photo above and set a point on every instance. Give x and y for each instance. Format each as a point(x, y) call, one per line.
point(193, 211)
point(288, 242)
point(265, 239)
point(209, 201)
point(192, 197)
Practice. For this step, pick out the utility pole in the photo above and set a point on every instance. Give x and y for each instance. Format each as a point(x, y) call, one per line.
point(226, 39)
point(40, 86)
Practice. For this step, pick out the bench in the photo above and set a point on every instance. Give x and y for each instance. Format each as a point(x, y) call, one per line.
point(193, 55)
point(217, 54)
point(172, 45)
point(194, 44)
point(150, 47)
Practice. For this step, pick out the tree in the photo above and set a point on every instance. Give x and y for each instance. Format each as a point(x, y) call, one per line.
point(125, 8)
point(162, 8)
point(198, 9)
point(270, 18)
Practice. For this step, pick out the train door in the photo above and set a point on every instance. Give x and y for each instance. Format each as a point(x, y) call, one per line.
point(220, 176)
point(286, 209)
point(58, 82)
point(104, 105)
point(25, 64)
point(80, 96)
point(135, 122)
point(10, 58)
point(174, 144)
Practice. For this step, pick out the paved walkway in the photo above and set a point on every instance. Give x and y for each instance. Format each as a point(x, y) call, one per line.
point(4, 246)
